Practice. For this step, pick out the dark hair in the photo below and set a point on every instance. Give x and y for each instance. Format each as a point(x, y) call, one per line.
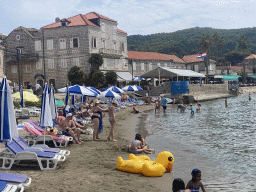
point(138, 137)
point(178, 184)
point(194, 174)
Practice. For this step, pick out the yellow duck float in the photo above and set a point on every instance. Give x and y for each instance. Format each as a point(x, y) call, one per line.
point(143, 164)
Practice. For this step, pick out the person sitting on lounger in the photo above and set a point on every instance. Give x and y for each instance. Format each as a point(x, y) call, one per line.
point(68, 128)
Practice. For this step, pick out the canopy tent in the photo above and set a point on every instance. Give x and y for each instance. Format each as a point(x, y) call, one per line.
point(166, 72)
point(228, 77)
point(124, 76)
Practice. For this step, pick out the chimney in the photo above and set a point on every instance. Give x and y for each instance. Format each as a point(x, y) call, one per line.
point(57, 19)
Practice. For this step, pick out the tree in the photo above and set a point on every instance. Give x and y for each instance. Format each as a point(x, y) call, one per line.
point(96, 61)
point(242, 45)
point(111, 77)
point(95, 79)
point(219, 44)
point(234, 57)
point(76, 75)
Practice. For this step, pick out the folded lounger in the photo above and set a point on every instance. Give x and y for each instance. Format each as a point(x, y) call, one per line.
point(13, 153)
point(44, 148)
point(13, 182)
point(60, 141)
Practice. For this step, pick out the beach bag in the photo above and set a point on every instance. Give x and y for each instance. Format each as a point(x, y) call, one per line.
point(52, 131)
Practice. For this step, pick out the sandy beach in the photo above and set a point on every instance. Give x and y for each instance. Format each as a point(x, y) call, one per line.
point(91, 166)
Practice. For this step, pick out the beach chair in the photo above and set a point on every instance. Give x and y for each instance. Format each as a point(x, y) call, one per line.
point(33, 112)
point(139, 101)
point(121, 104)
point(13, 182)
point(45, 148)
point(37, 137)
point(13, 153)
point(131, 102)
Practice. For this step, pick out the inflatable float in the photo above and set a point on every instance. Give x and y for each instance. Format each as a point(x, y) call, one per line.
point(143, 164)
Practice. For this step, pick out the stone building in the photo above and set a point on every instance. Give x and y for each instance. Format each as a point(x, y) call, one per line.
point(142, 62)
point(197, 65)
point(46, 55)
point(250, 63)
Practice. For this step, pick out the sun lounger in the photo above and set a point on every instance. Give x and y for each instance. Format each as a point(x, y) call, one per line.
point(45, 148)
point(39, 137)
point(14, 154)
point(13, 182)
point(139, 101)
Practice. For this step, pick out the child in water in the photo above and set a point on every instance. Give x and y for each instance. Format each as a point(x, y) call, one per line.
point(195, 183)
point(138, 146)
point(157, 106)
point(178, 185)
point(198, 110)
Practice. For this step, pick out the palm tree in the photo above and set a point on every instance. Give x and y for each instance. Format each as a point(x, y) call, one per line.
point(242, 45)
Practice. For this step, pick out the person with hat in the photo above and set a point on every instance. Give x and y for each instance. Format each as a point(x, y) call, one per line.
point(112, 119)
point(68, 128)
point(96, 111)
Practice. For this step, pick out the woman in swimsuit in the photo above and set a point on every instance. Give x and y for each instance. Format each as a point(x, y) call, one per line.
point(138, 147)
point(195, 183)
point(96, 110)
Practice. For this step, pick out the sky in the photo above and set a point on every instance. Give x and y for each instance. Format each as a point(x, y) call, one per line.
point(133, 16)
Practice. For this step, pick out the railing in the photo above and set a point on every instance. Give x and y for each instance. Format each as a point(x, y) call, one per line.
point(110, 51)
point(32, 56)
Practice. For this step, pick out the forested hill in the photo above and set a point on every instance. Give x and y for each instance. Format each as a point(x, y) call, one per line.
point(186, 42)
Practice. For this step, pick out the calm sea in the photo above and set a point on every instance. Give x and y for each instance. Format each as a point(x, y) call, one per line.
point(220, 141)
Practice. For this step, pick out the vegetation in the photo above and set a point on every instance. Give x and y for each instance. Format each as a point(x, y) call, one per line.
point(186, 42)
point(76, 75)
point(27, 104)
point(111, 77)
point(96, 61)
point(95, 79)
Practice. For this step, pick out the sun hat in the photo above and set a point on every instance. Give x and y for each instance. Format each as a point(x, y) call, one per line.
point(115, 102)
point(69, 114)
point(96, 101)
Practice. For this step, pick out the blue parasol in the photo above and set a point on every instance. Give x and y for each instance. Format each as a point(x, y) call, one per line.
point(21, 97)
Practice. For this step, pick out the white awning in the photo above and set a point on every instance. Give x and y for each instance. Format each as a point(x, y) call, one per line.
point(166, 72)
point(124, 76)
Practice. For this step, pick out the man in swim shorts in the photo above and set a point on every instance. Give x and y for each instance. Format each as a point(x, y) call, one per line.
point(164, 103)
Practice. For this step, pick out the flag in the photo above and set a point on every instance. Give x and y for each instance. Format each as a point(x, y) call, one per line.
point(201, 55)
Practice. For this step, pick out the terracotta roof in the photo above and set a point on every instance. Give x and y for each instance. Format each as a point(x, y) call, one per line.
point(252, 56)
point(153, 56)
point(80, 20)
point(29, 31)
point(192, 58)
point(94, 15)
point(234, 68)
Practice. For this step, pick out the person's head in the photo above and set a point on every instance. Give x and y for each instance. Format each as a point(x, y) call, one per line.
point(138, 137)
point(196, 175)
point(97, 102)
point(69, 116)
point(60, 113)
point(178, 184)
point(191, 105)
point(115, 103)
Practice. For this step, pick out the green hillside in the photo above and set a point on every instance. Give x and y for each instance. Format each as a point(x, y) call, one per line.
point(186, 42)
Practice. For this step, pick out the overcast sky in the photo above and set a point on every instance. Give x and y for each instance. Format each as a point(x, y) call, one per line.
point(133, 16)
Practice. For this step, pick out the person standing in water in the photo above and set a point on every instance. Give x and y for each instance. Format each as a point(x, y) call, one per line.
point(226, 102)
point(250, 96)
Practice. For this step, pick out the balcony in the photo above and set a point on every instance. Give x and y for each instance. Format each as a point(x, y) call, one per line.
point(110, 53)
point(23, 57)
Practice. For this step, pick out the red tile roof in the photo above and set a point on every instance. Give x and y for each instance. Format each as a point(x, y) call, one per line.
point(234, 68)
point(252, 56)
point(193, 59)
point(80, 20)
point(153, 56)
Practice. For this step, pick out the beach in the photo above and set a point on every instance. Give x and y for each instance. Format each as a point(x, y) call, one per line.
point(91, 166)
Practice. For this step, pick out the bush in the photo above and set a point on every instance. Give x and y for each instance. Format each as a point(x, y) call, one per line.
point(76, 75)
point(111, 77)
point(27, 104)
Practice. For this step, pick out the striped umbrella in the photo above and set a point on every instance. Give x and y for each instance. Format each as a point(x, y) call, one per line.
point(8, 127)
point(73, 100)
point(128, 88)
point(83, 99)
point(53, 103)
point(109, 94)
point(137, 88)
point(66, 95)
point(21, 97)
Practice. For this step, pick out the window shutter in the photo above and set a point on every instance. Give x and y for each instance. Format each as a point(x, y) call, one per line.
point(71, 43)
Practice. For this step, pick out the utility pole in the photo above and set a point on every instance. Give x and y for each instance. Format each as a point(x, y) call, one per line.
point(18, 61)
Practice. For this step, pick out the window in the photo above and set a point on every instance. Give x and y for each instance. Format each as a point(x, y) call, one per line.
point(28, 68)
point(165, 65)
point(142, 66)
point(103, 27)
point(73, 42)
point(105, 60)
point(196, 68)
point(38, 45)
point(94, 42)
point(39, 64)
point(210, 67)
point(76, 62)
point(62, 43)
point(103, 43)
point(63, 63)
point(188, 67)
point(20, 51)
point(134, 66)
point(122, 47)
point(116, 63)
point(114, 30)
point(114, 45)
point(63, 24)
point(158, 64)
point(49, 43)
point(14, 69)
point(17, 37)
point(150, 66)
point(51, 63)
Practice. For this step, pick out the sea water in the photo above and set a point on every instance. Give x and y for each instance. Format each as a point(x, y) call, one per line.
point(220, 141)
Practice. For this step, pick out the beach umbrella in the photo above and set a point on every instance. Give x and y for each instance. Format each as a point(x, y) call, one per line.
point(66, 95)
point(79, 90)
point(73, 100)
point(113, 88)
point(59, 103)
point(53, 103)
point(137, 79)
point(27, 96)
point(83, 99)
point(129, 88)
point(46, 117)
point(21, 97)
point(94, 89)
point(109, 94)
point(137, 88)
point(8, 127)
